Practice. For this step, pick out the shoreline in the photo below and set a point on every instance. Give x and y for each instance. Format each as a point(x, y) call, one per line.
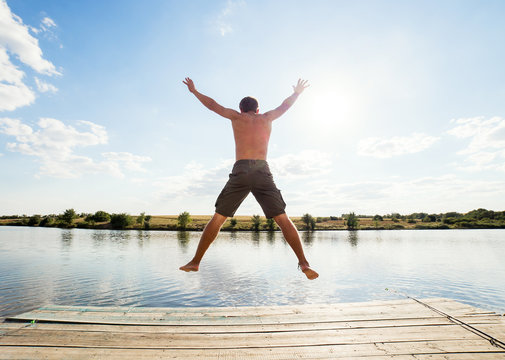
point(245, 223)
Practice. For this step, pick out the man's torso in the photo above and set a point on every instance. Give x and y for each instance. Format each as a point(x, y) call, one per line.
point(252, 133)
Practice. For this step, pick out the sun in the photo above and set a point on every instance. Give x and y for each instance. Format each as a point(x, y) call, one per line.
point(328, 113)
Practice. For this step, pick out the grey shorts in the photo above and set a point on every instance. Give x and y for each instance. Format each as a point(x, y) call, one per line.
point(250, 176)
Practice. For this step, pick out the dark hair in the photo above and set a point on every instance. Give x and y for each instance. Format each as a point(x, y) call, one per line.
point(248, 104)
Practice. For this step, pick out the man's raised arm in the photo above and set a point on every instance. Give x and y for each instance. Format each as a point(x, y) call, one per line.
point(210, 103)
point(286, 104)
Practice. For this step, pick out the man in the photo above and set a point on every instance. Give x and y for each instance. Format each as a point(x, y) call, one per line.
point(250, 173)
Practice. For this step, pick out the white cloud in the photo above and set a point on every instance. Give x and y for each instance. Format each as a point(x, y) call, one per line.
point(225, 17)
point(47, 23)
point(428, 194)
point(54, 145)
point(129, 161)
point(43, 87)
point(395, 146)
point(486, 149)
point(307, 163)
point(16, 39)
point(13, 92)
point(195, 180)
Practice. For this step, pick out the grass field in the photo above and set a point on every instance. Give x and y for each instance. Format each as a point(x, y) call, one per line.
point(169, 222)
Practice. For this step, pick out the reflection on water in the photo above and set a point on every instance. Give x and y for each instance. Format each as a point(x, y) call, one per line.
point(353, 237)
point(66, 238)
point(255, 237)
point(140, 268)
point(271, 236)
point(183, 239)
point(308, 237)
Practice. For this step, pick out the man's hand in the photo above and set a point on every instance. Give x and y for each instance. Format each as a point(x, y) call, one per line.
point(302, 84)
point(190, 85)
point(210, 103)
point(286, 104)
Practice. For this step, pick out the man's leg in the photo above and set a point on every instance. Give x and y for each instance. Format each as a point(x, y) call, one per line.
point(208, 236)
point(293, 238)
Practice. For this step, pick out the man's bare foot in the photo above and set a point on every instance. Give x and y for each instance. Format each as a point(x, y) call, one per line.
point(309, 273)
point(190, 266)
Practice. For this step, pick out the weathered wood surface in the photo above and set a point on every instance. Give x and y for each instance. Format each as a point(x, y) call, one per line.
point(399, 329)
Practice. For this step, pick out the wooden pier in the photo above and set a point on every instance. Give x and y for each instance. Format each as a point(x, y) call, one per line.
point(397, 329)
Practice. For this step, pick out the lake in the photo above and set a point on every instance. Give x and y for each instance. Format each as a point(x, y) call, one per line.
point(41, 266)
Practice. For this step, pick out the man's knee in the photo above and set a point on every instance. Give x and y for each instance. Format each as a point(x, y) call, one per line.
point(218, 218)
point(282, 219)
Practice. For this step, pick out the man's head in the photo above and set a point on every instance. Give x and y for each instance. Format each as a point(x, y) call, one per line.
point(249, 104)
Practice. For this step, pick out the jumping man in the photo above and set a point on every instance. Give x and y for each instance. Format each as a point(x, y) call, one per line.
point(250, 173)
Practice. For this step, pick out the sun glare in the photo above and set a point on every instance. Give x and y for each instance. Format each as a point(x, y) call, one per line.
point(329, 113)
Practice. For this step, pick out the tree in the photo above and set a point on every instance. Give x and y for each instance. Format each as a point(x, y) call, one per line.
point(121, 221)
point(147, 222)
point(378, 218)
point(68, 217)
point(141, 218)
point(233, 222)
point(47, 220)
point(34, 220)
point(309, 221)
point(430, 218)
point(352, 221)
point(256, 222)
point(101, 216)
point(183, 220)
point(271, 224)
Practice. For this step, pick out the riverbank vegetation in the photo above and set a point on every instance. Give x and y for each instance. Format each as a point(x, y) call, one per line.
point(475, 219)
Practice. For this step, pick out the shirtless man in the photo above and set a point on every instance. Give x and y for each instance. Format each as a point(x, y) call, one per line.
point(250, 173)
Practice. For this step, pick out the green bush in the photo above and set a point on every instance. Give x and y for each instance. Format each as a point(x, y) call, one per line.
point(147, 222)
point(34, 220)
point(47, 221)
point(271, 225)
point(256, 222)
point(352, 221)
point(121, 221)
point(67, 217)
point(101, 216)
point(183, 220)
point(141, 218)
point(309, 221)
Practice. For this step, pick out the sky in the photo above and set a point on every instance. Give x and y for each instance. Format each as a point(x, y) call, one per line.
point(405, 111)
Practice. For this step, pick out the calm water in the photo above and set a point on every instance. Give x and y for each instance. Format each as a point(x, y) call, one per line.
point(104, 268)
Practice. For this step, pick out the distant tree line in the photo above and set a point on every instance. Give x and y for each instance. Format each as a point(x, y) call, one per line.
point(480, 218)
point(68, 217)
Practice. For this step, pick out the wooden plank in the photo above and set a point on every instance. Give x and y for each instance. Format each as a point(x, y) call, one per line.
point(243, 311)
point(460, 356)
point(229, 317)
point(495, 330)
point(216, 328)
point(246, 354)
point(437, 350)
point(262, 309)
point(36, 337)
point(450, 308)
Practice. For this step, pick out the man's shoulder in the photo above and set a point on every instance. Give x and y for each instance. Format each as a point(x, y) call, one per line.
point(250, 116)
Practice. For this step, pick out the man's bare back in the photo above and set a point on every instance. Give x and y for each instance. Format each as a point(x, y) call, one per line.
point(252, 133)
